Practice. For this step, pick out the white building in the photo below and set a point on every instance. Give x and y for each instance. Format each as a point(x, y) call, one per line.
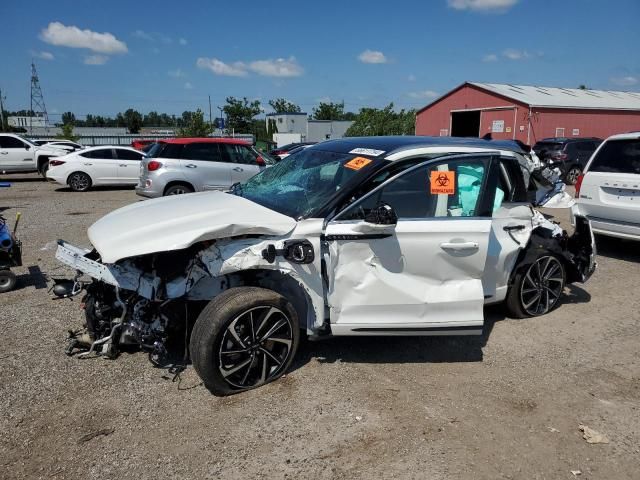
point(298, 126)
point(26, 122)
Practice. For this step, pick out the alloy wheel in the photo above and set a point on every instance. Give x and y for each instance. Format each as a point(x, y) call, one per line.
point(255, 347)
point(177, 191)
point(542, 286)
point(79, 182)
point(572, 175)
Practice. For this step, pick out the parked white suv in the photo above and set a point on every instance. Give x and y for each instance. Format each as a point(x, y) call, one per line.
point(608, 193)
point(19, 155)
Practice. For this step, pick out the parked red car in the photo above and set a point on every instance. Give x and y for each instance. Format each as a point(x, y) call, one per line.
point(140, 144)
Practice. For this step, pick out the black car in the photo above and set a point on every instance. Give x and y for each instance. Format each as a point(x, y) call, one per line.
point(570, 155)
point(285, 149)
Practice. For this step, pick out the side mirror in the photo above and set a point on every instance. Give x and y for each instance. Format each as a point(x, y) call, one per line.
point(382, 214)
point(27, 147)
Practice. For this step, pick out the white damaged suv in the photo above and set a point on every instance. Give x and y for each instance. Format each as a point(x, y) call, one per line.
point(359, 236)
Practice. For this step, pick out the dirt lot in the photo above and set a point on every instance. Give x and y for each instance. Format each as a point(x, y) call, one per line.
point(504, 405)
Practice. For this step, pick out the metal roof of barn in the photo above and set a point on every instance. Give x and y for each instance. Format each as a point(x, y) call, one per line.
point(553, 97)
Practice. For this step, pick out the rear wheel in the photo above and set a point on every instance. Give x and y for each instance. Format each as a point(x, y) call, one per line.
point(79, 182)
point(179, 189)
point(244, 338)
point(536, 288)
point(572, 175)
point(7, 281)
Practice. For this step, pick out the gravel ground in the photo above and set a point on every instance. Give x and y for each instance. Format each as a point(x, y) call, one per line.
point(504, 405)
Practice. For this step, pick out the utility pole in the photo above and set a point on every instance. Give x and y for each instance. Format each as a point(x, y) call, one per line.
point(1, 112)
point(210, 119)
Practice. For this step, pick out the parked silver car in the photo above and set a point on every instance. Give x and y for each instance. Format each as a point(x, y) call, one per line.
point(186, 165)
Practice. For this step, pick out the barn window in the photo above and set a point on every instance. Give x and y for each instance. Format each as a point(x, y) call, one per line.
point(559, 132)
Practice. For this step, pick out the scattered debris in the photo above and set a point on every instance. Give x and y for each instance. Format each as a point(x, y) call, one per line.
point(90, 436)
point(553, 430)
point(575, 473)
point(592, 436)
point(358, 418)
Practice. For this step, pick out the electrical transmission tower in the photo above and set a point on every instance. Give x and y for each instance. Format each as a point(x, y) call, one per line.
point(38, 108)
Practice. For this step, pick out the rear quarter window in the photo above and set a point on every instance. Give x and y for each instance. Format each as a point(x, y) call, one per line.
point(618, 156)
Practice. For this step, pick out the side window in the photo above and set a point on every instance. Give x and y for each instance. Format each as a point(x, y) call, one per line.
point(237, 154)
point(128, 154)
point(444, 189)
point(618, 156)
point(202, 151)
point(11, 142)
point(102, 154)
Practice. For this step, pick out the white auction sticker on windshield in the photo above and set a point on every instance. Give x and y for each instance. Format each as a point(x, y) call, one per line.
point(367, 151)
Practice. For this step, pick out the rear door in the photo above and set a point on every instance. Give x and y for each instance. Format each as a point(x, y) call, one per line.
point(611, 187)
point(243, 162)
point(128, 166)
point(101, 165)
point(423, 277)
point(204, 168)
point(14, 154)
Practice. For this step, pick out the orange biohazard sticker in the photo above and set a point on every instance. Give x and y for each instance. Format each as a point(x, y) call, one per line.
point(357, 163)
point(443, 182)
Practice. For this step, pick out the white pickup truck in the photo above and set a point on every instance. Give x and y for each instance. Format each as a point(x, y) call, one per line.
point(17, 154)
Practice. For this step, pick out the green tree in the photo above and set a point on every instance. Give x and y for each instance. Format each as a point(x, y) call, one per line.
point(68, 118)
point(240, 114)
point(282, 105)
point(67, 132)
point(385, 121)
point(329, 111)
point(132, 120)
point(197, 126)
point(583, 87)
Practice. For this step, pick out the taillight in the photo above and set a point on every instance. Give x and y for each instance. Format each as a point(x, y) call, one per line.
point(559, 156)
point(154, 165)
point(260, 161)
point(55, 163)
point(579, 184)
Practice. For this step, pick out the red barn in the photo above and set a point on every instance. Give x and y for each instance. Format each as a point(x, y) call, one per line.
point(529, 113)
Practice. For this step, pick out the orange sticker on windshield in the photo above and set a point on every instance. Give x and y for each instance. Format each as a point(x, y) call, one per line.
point(443, 182)
point(357, 163)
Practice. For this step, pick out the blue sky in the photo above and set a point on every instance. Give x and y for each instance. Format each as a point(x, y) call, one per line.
point(103, 57)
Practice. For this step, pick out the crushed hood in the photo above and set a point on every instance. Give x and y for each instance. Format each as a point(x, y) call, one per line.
point(176, 222)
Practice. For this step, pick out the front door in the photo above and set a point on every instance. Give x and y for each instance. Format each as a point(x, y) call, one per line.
point(204, 168)
point(15, 154)
point(245, 164)
point(101, 164)
point(128, 166)
point(423, 276)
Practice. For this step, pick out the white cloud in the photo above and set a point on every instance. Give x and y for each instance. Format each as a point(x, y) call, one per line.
point(626, 81)
point(423, 94)
point(497, 6)
point(188, 86)
point(237, 69)
point(513, 54)
point(280, 67)
point(177, 73)
point(43, 55)
point(95, 59)
point(71, 36)
point(490, 57)
point(143, 35)
point(182, 41)
point(372, 56)
point(412, 78)
point(323, 100)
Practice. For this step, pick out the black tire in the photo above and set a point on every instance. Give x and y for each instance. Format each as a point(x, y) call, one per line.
point(243, 327)
point(79, 182)
point(44, 167)
point(7, 281)
point(179, 189)
point(530, 296)
point(572, 175)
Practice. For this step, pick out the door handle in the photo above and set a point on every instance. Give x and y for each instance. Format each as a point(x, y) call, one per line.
point(122, 165)
point(238, 169)
point(4, 153)
point(459, 246)
point(88, 164)
point(191, 165)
